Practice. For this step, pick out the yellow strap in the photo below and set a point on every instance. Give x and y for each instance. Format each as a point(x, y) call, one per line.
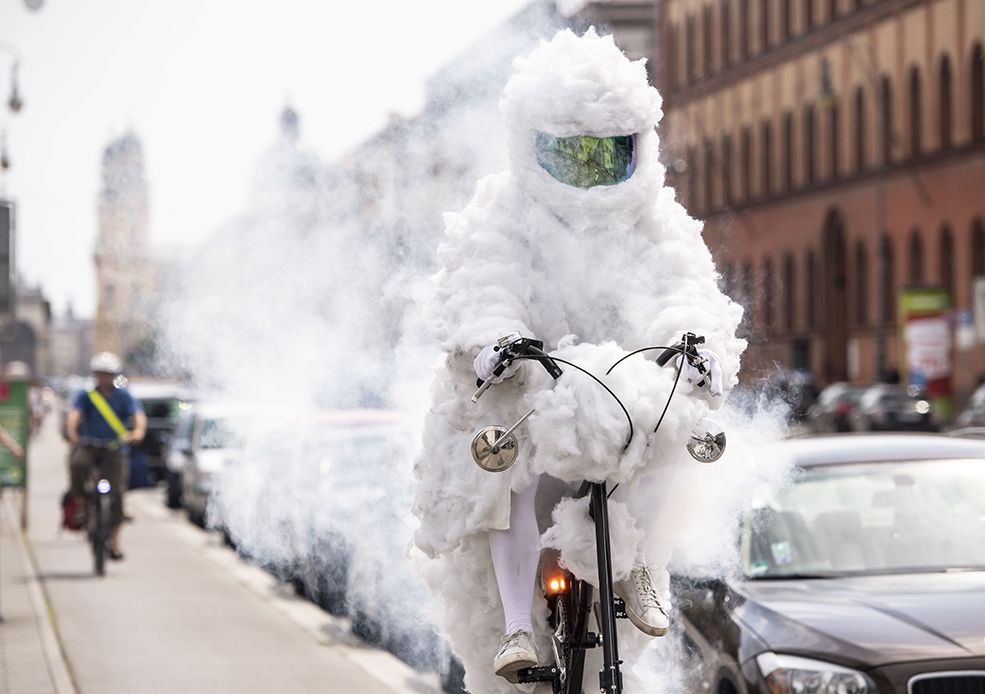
point(106, 411)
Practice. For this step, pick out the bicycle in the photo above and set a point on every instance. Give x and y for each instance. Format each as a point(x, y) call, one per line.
point(571, 600)
point(99, 499)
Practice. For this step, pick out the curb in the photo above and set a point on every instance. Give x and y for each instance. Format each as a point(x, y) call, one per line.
point(58, 670)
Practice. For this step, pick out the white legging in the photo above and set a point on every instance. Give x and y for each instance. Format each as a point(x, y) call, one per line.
point(515, 556)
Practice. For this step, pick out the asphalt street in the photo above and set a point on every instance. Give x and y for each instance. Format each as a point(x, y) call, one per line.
point(183, 613)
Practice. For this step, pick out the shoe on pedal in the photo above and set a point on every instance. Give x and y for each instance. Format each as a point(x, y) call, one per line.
point(647, 609)
point(516, 652)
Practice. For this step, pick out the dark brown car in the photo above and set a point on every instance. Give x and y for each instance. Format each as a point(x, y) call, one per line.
point(867, 574)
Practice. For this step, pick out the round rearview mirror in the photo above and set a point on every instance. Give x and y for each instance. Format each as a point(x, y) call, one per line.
point(492, 451)
point(707, 442)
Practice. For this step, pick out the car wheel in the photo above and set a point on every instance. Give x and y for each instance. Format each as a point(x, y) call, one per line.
point(172, 497)
point(366, 627)
point(453, 677)
point(196, 517)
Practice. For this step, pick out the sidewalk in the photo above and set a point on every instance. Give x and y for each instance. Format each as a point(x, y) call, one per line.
point(31, 661)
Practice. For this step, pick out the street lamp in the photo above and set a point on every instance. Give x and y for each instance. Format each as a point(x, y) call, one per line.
point(14, 102)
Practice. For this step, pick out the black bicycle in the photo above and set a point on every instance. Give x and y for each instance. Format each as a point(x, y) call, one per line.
point(571, 600)
point(99, 499)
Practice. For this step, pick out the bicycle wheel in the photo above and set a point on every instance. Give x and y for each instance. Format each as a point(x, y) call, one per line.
point(99, 532)
point(580, 602)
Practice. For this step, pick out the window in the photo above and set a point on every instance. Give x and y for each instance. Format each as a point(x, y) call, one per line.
point(945, 102)
point(947, 260)
point(768, 295)
point(810, 133)
point(767, 150)
point(744, 28)
point(671, 62)
point(808, 14)
point(726, 281)
point(689, 48)
point(764, 23)
point(692, 178)
point(746, 288)
point(861, 285)
point(726, 170)
point(832, 9)
point(789, 291)
point(886, 107)
point(709, 196)
point(888, 277)
point(788, 150)
point(859, 129)
point(810, 289)
point(706, 39)
point(916, 257)
point(724, 11)
point(977, 248)
point(915, 111)
point(784, 20)
point(977, 92)
point(746, 171)
point(833, 132)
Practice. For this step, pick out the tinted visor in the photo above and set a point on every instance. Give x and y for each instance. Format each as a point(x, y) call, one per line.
point(584, 161)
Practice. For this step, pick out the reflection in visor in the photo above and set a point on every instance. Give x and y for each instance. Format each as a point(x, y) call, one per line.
point(583, 161)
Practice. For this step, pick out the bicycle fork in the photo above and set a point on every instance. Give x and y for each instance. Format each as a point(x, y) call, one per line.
point(610, 678)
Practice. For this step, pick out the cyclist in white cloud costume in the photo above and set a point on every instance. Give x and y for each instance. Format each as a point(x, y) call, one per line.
point(581, 245)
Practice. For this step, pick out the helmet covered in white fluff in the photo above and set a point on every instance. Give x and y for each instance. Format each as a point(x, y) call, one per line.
point(582, 85)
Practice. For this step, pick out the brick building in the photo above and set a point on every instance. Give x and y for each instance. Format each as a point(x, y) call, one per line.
point(836, 151)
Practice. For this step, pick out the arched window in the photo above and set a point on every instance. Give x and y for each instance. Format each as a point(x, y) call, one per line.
point(808, 14)
point(833, 132)
point(709, 196)
point(886, 121)
point(725, 13)
point(746, 288)
point(744, 28)
point(832, 10)
point(859, 129)
point(764, 22)
point(727, 170)
point(977, 92)
point(977, 248)
point(767, 151)
point(726, 281)
point(788, 150)
point(946, 97)
point(916, 106)
point(947, 260)
point(784, 20)
point(746, 154)
point(810, 134)
point(671, 61)
point(916, 257)
point(689, 48)
point(810, 290)
point(887, 274)
point(861, 284)
point(768, 295)
point(706, 40)
point(789, 291)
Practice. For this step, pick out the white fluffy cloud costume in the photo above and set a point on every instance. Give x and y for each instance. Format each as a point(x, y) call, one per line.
point(594, 273)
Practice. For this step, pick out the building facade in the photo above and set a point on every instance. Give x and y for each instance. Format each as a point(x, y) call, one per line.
point(836, 151)
point(125, 274)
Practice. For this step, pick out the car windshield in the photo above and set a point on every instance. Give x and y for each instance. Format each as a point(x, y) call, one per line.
point(870, 518)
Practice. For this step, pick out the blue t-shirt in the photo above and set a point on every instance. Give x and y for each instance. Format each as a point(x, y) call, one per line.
point(93, 426)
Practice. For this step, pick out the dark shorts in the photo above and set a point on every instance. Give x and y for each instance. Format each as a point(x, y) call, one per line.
point(83, 459)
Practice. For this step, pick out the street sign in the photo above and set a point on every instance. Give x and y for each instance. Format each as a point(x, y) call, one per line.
point(926, 342)
point(13, 434)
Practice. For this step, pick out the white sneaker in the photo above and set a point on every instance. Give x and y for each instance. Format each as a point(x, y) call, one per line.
point(516, 653)
point(647, 609)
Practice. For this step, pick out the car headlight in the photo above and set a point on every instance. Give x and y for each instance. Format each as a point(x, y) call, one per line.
point(787, 674)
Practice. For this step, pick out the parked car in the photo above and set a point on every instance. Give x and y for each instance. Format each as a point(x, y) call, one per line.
point(162, 404)
point(891, 407)
point(865, 575)
point(832, 410)
point(973, 415)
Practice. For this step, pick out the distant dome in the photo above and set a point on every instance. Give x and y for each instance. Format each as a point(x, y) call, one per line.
point(290, 124)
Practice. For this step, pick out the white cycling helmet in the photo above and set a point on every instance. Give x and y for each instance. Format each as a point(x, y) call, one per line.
point(106, 362)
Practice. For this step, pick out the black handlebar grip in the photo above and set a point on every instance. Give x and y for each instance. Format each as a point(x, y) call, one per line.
point(669, 353)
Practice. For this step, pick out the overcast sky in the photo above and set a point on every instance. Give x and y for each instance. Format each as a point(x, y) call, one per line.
point(202, 83)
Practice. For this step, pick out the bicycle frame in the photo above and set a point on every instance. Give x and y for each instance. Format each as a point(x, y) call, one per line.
point(99, 507)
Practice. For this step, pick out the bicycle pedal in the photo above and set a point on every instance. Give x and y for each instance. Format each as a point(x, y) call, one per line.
point(540, 673)
point(619, 607)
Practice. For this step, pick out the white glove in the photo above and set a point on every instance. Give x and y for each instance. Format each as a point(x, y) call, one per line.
point(710, 382)
point(486, 362)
